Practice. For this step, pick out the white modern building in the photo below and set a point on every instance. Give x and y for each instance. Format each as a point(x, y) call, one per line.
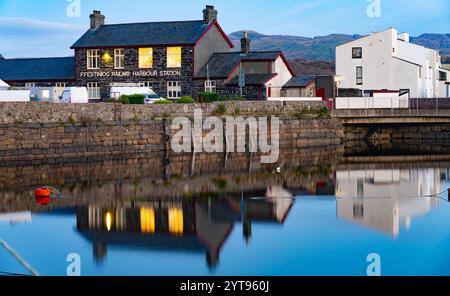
point(388, 61)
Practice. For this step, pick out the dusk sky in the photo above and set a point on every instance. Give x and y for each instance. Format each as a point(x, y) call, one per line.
point(43, 28)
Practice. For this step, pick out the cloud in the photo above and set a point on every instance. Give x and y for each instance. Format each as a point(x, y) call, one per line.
point(29, 37)
point(15, 25)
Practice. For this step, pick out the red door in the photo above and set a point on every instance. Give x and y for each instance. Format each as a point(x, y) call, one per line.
point(320, 92)
point(269, 92)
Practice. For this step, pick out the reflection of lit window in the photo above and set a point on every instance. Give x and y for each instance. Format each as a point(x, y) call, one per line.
point(147, 220)
point(108, 221)
point(176, 221)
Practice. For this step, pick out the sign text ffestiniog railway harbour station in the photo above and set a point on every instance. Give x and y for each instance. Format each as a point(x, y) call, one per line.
point(140, 73)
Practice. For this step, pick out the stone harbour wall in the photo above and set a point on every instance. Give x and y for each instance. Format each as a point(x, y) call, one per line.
point(49, 133)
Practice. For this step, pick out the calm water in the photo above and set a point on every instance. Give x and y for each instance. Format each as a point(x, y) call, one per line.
point(326, 225)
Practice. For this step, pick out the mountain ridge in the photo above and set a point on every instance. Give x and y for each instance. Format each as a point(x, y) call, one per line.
point(322, 48)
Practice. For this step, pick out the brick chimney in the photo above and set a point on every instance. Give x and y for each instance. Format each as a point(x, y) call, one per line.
point(209, 14)
point(245, 44)
point(97, 19)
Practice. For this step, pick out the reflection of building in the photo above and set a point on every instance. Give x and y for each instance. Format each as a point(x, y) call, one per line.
point(15, 218)
point(386, 199)
point(182, 225)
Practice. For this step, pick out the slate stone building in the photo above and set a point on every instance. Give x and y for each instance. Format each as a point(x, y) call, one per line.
point(179, 58)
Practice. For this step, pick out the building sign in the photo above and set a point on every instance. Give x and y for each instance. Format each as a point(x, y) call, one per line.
point(126, 74)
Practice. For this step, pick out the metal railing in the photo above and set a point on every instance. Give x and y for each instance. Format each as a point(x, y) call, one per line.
point(393, 103)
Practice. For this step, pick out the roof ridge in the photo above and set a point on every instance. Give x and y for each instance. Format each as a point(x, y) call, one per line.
point(158, 22)
point(39, 58)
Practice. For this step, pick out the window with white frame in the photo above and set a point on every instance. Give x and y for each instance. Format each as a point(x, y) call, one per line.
point(119, 58)
point(146, 84)
point(93, 59)
point(210, 86)
point(173, 57)
point(30, 84)
point(93, 90)
point(61, 84)
point(146, 57)
point(173, 89)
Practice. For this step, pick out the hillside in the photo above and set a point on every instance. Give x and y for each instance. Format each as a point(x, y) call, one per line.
point(322, 48)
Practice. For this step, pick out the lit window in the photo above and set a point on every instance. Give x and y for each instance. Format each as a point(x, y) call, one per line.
point(93, 59)
point(93, 90)
point(357, 52)
point(176, 224)
point(119, 59)
point(147, 220)
point(108, 221)
point(145, 57)
point(173, 57)
point(359, 75)
point(210, 86)
point(173, 89)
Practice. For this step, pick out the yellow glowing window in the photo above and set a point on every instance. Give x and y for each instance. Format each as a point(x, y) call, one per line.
point(147, 220)
point(108, 221)
point(174, 57)
point(146, 57)
point(176, 221)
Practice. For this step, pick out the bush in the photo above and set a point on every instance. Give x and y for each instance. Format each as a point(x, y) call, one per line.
point(137, 99)
point(163, 102)
point(186, 100)
point(125, 100)
point(220, 110)
point(208, 97)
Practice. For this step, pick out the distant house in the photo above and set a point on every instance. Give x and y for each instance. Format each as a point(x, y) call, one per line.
point(300, 86)
point(388, 61)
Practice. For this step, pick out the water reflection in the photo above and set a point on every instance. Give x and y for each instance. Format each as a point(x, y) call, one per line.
point(386, 199)
point(228, 222)
point(179, 225)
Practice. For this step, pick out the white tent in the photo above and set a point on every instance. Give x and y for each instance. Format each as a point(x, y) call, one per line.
point(3, 84)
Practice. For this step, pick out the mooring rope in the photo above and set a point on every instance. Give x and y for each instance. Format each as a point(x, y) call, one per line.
point(18, 258)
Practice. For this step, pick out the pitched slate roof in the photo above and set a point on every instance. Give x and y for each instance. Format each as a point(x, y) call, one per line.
point(39, 69)
point(252, 79)
point(148, 34)
point(221, 64)
point(300, 81)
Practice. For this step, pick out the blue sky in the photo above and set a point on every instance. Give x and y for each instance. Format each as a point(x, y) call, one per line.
point(43, 28)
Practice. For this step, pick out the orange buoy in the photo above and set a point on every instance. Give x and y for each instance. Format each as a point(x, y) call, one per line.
point(43, 192)
point(43, 200)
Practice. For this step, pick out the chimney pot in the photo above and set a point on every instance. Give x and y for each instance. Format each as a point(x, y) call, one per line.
point(97, 19)
point(209, 14)
point(245, 44)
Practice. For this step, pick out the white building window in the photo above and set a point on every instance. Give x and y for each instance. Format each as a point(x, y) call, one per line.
point(146, 84)
point(119, 58)
point(173, 89)
point(359, 75)
point(210, 86)
point(93, 59)
point(93, 90)
point(30, 84)
point(357, 52)
point(61, 84)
